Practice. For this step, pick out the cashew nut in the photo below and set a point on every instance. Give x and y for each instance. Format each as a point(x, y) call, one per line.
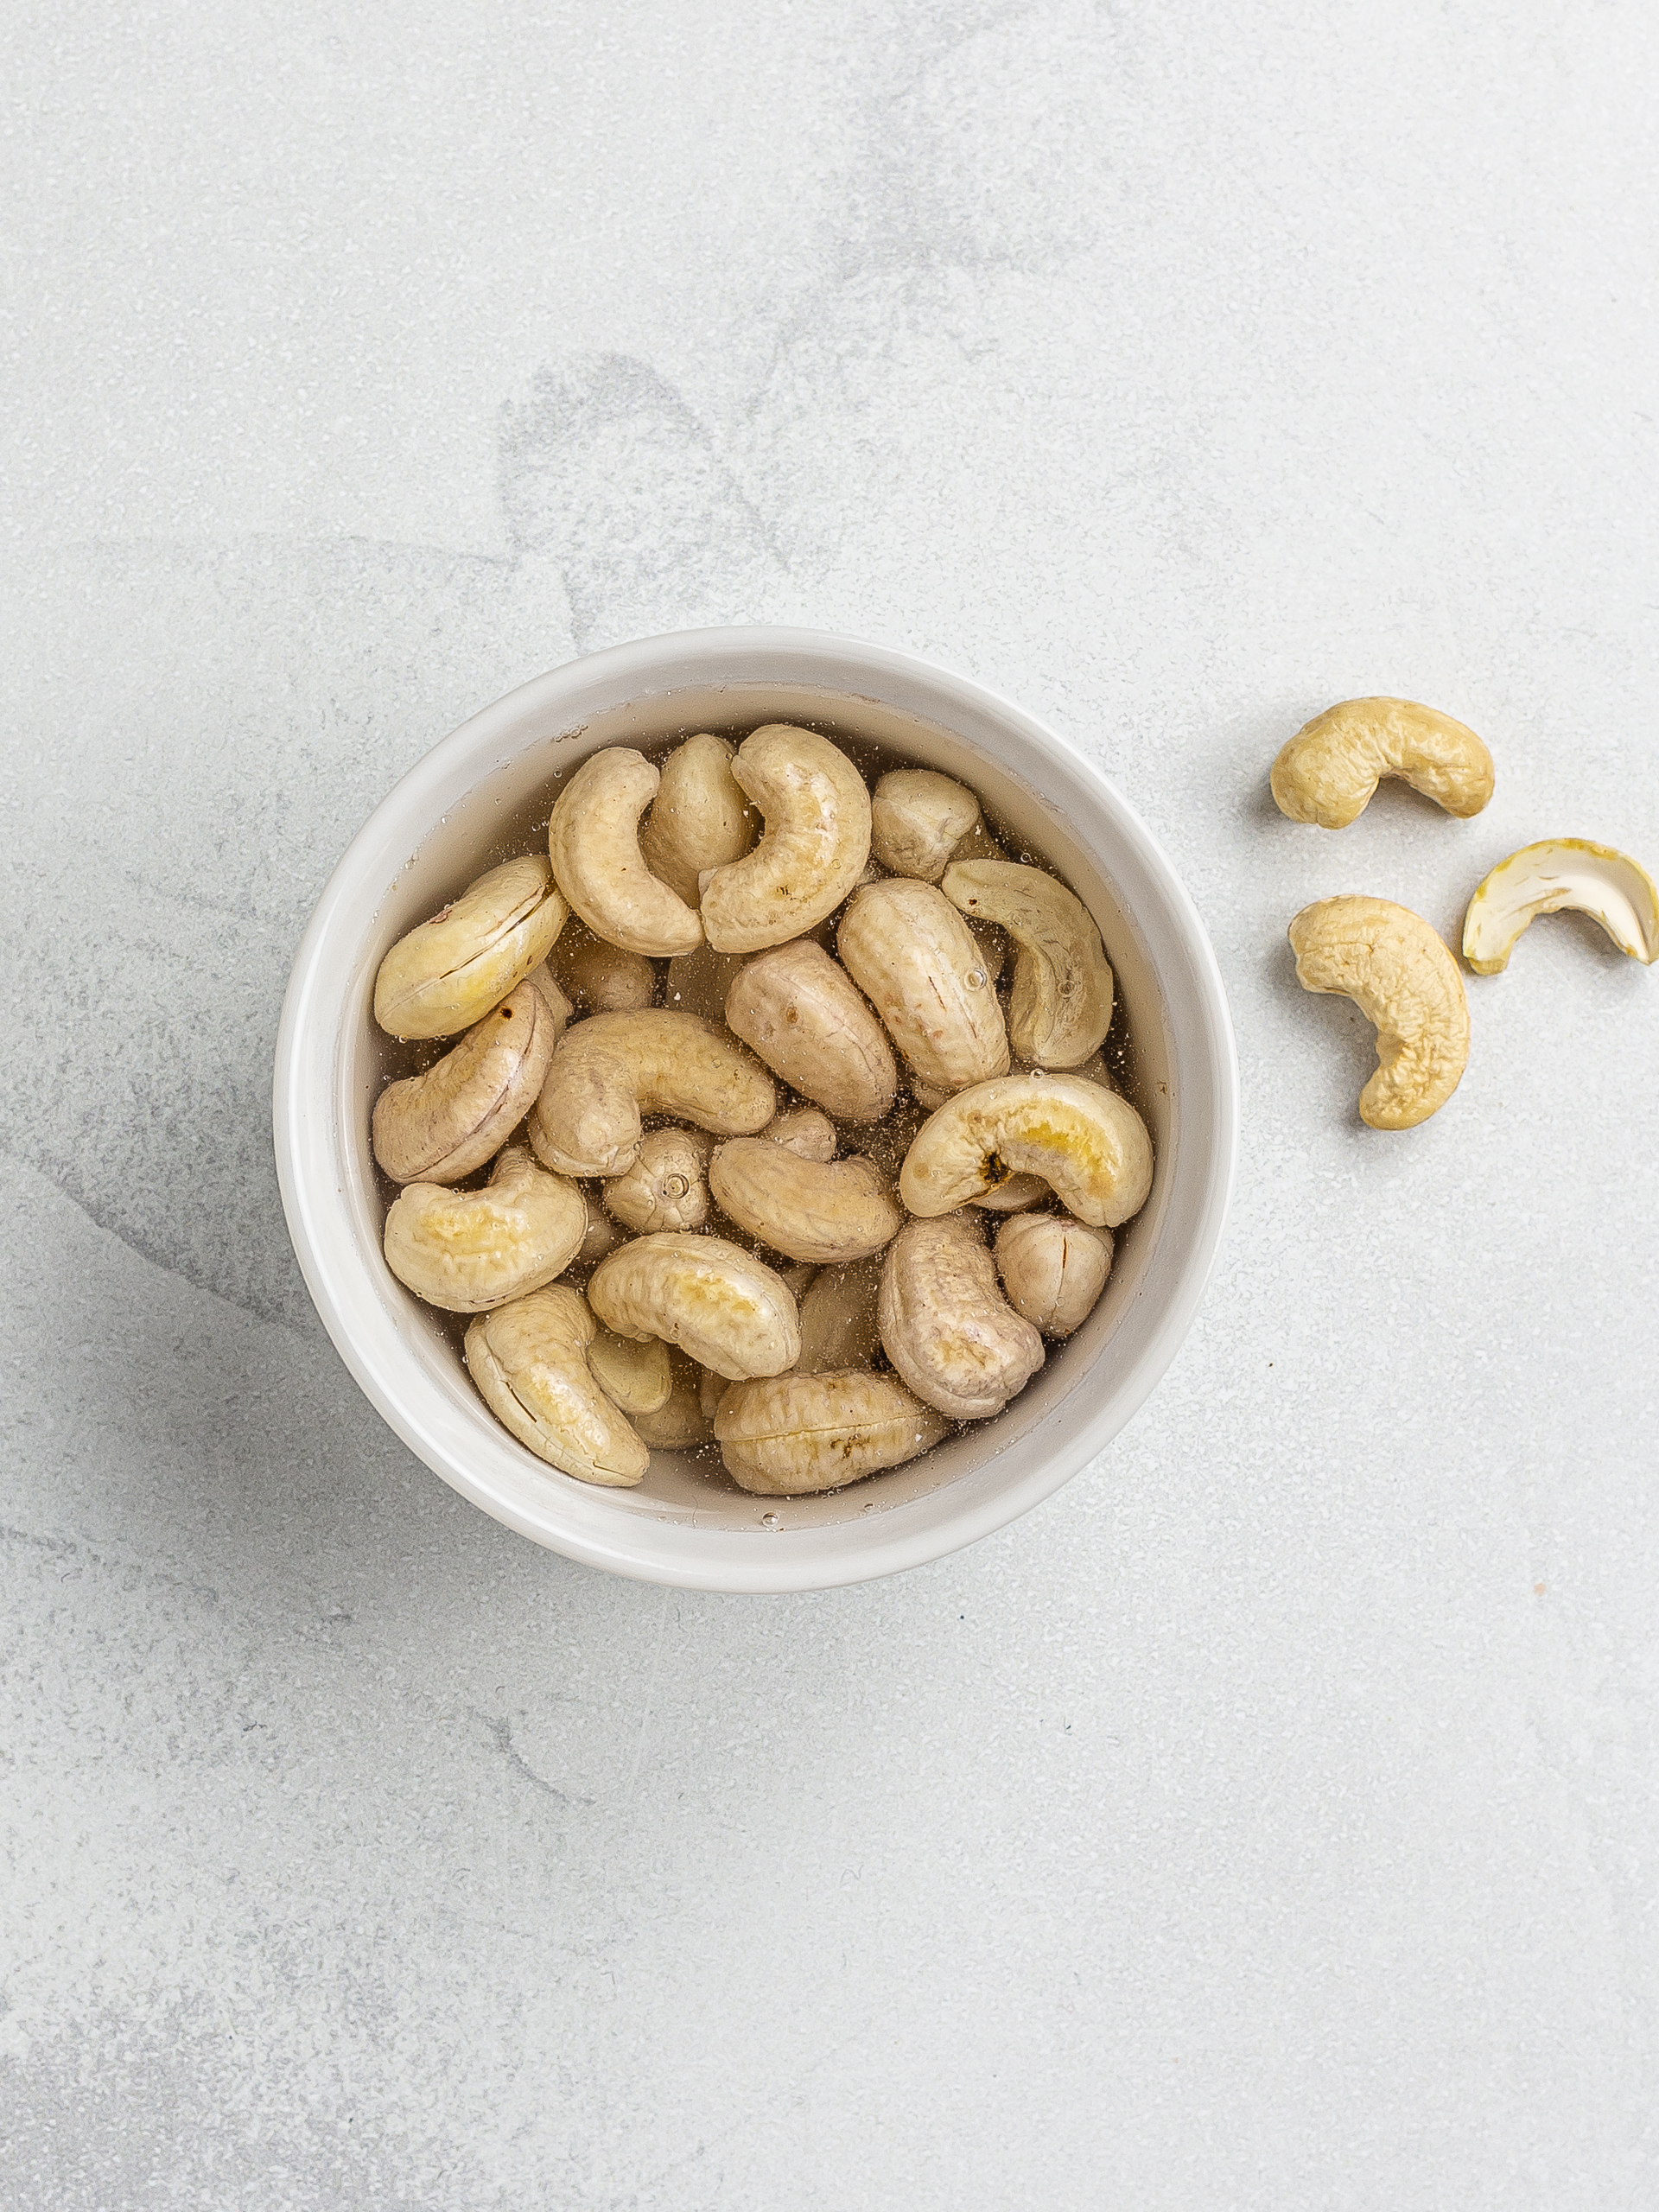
point(1061, 1006)
point(803, 1130)
point(1403, 980)
point(1014, 1196)
point(529, 1360)
point(602, 978)
point(910, 952)
point(1327, 771)
point(437, 1127)
point(812, 1210)
point(667, 1186)
point(546, 986)
point(729, 1310)
point(1542, 878)
point(445, 974)
point(468, 1250)
point(1087, 1143)
point(797, 1434)
point(799, 1010)
point(600, 1237)
point(816, 842)
point(698, 820)
point(918, 819)
point(633, 1374)
point(593, 842)
point(838, 1322)
point(1053, 1269)
point(679, 1424)
point(947, 1327)
point(609, 1069)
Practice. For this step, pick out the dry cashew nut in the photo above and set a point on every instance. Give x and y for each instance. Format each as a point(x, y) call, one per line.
point(945, 1325)
point(448, 973)
point(1088, 1144)
point(468, 1250)
point(911, 955)
point(729, 1310)
point(593, 840)
point(1403, 981)
point(529, 1360)
point(814, 1209)
point(1061, 1006)
point(816, 843)
point(438, 1126)
point(798, 1434)
point(1053, 1269)
point(602, 978)
point(609, 1069)
point(679, 1423)
point(800, 1012)
point(1542, 878)
point(1327, 771)
point(918, 821)
point(803, 1130)
point(838, 1320)
point(698, 819)
point(633, 1376)
point(667, 1186)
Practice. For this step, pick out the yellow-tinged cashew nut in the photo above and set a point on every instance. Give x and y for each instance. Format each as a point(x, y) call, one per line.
point(438, 1126)
point(1542, 878)
point(468, 1250)
point(1053, 1269)
point(633, 1374)
point(667, 1186)
point(798, 1434)
point(729, 1310)
point(945, 1325)
point(445, 974)
point(698, 819)
point(810, 1209)
point(529, 1360)
point(609, 1069)
point(918, 819)
point(593, 840)
point(911, 953)
point(816, 843)
point(1327, 771)
point(1403, 980)
point(800, 1012)
point(838, 1320)
point(1061, 1006)
point(679, 1424)
point(803, 1130)
point(1088, 1144)
point(602, 978)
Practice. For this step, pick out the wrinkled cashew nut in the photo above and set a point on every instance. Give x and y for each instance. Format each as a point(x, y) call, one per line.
point(729, 1310)
point(468, 1250)
point(438, 1126)
point(529, 1360)
point(1053, 1269)
point(823, 1211)
point(1089, 1145)
point(593, 840)
point(945, 1325)
point(1327, 772)
point(800, 1012)
point(813, 850)
point(799, 1434)
point(918, 820)
point(667, 1186)
point(912, 955)
point(633, 1374)
point(1405, 982)
point(1061, 1005)
point(698, 820)
point(1560, 871)
point(448, 973)
point(609, 1069)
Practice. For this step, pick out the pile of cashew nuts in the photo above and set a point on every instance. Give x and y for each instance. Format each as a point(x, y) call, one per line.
point(759, 1056)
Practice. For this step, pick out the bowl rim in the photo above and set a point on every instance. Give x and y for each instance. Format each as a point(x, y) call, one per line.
point(774, 1565)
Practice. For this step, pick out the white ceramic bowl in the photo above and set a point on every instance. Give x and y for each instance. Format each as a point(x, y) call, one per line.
point(479, 796)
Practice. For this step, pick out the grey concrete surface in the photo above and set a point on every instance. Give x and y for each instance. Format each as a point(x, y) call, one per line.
point(1270, 1820)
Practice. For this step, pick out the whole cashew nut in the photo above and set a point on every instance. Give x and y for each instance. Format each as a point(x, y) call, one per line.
point(945, 1325)
point(729, 1310)
point(448, 973)
point(593, 840)
point(918, 819)
point(1542, 878)
point(1327, 772)
point(1088, 1144)
point(437, 1127)
point(609, 1069)
point(529, 1360)
point(468, 1250)
point(1402, 979)
point(823, 1211)
point(1053, 1269)
point(911, 955)
point(698, 819)
point(799, 1434)
point(816, 842)
point(1061, 1006)
point(799, 1011)
point(667, 1186)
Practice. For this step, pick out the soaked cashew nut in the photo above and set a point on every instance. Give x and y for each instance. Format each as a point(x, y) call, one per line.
point(609, 1069)
point(838, 1320)
point(438, 1126)
point(448, 973)
point(798, 1434)
point(529, 1360)
point(945, 1325)
point(698, 819)
point(800, 1012)
point(1053, 1269)
point(602, 978)
point(1327, 771)
point(1089, 1145)
point(633, 1374)
point(729, 1310)
point(813, 1209)
point(544, 984)
point(1061, 1006)
point(679, 1423)
point(918, 819)
point(1542, 878)
point(803, 1130)
point(593, 840)
point(667, 1186)
point(468, 1250)
point(816, 842)
point(1014, 1196)
point(911, 953)
point(602, 1235)
point(1403, 980)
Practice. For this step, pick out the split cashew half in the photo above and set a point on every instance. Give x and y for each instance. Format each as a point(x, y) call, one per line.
point(468, 1250)
point(912, 955)
point(1327, 772)
point(801, 1013)
point(1405, 982)
point(945, 1325)
point(1061, 1006)
point(816, 841)
point(1053, 1269)
point(1595, 880)
point(593, 840)
point(1088, 1144)
point(798, 1434)
point(821, 1211)
point(609, 1069)
point(729, 1310)
point(438, 1126)
point(698, 819)
point(448, 973)
point(529, 1360)
point(667, 1186)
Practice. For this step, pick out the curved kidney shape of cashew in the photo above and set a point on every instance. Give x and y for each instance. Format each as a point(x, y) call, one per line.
point(448, 973)
point(667, 1186)
point(1061, 1005)
point(609, 1069)
point(813, 851)
point(729, 1310)
point(1088, 1144)
point(593, 840)
point(469, 1250)
point(1558, 872)
point(799, 1434)
point(437, 1127)
point(698, 820)
point(529, 1360)
point(821, 1211)
point(945, 1325)
point(1327, 771)
point(1053, 1269)
point(1406, 984)
point(800, 1010)
point(913, 957)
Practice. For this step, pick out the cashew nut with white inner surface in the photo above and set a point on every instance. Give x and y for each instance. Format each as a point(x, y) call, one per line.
point(468, 1250)
point(438, 1126)
point(1557, 872)
point(1088, 1146)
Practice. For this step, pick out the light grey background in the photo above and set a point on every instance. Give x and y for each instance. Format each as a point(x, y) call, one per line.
point(1269, 1821)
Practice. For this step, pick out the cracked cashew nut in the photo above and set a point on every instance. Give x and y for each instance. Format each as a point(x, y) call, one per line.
point(945, 1325)
point(729, 1310)
point(437, 1127)
point(609, 1069)
point(1053, 1269)
point(448, 973)
point(1402, 979)
point(529, 1360)
point(1327, 772)
point(821, 1211)
point(912, 955)
point(468, 1250)
point(813, 850)
point(1061, 1005)
point(1088, 1144)
point(795, 1434)
point(1542, 878)
point(633, 1374)
point(918, 821)
point(698, 819)
point(800, 1010)
point(593, 840)
point(667, 1186)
